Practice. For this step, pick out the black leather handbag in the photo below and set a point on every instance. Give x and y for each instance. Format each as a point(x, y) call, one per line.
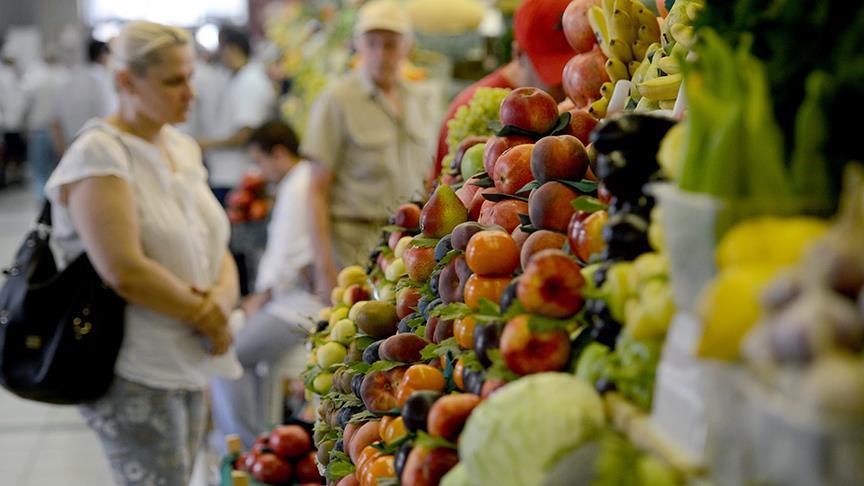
point(60, 331)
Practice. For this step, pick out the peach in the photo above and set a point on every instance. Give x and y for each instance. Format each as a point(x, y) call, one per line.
point(406, 301)
point(404, 348)
point(426, 467)
point(530, 109)
point(581, 125)
point(586, 234)
point(583, 76)
point(407, 216)
point(561, 157)
point(379, 389)
point(526, 351)
point(449, 413)
point(519, 237)
point(550, 206)
point(539, 241)
point(505, 213)
point(513, 169)
point(365, 436)
point(477, 203)
point(420, 262)
point(496, 146)
point(551, 285)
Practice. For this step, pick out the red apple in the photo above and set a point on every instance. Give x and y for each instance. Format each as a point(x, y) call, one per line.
point(603, 194)
point(581, 125)
point(290, 441)
point(530, 109)
point(526, 351)
point(271, 470)
point(577, 30)
point(586, 234)
point(306, 469)
point(561, 157)
point(253, 182)
point(466, 193)
point(406, 301)
point(513, 169)
point(354, 293)
point(419, 262)
point(496, 146)
point(477, 203)
point(505, 213)
point(551, 285)
point(583, 76)
point(407, 216)
point(240, 199)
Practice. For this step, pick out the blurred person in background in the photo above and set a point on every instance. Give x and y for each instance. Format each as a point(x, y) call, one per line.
point(209, 80)
point(246, 102)
point(87, 93)
point(278, 311)
point(370, 136)
point(41, 90)
point(14, 149)
point(540, 52)
point(131, 191)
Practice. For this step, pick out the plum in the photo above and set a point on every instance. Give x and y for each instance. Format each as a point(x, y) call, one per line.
point(415, 411)
point(370, 354)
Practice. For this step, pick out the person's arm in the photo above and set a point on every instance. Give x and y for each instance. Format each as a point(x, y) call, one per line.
point(226, 292)
point(111, 236)
point(321, 232)
point(59, 140)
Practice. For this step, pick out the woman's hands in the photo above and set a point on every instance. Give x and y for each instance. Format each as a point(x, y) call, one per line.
point(211, 320)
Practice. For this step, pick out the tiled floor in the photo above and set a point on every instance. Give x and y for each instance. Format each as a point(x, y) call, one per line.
point(44, 445)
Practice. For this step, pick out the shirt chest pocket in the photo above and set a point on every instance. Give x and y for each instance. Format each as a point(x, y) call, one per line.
point(373, 144)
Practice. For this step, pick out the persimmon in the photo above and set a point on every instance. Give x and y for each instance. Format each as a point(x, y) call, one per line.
point(463, 329)
point(478, 287)
point(492, 253)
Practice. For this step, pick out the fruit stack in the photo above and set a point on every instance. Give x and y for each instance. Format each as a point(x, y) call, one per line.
point(282, 457)
point(249, 201)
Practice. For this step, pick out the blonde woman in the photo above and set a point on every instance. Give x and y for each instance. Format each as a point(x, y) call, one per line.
point(132, 192)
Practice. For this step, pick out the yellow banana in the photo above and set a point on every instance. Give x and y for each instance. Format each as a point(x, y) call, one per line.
point(637, 77)
point(692, 9)
point(662, 88)
point(639, 49)
point(606, 89)
point(616, 70)
point(646, 19)
point(646, 105)
point(598, 108)
point(633, 67)
point(598, 24)
point(621, 50)
point(683, 34)
point(623, 26)
point(666, 104)
point(669, 65)
point(653, 69)
point(608, 8)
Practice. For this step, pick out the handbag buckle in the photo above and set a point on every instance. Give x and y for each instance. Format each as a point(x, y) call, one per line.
point(81, 328)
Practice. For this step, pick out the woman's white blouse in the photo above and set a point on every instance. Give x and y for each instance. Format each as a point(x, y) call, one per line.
point(182, 227)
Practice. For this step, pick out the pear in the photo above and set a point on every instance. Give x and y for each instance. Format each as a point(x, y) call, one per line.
point(443, 212)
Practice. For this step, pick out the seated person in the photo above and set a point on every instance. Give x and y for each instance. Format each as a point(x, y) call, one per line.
point(283, 299)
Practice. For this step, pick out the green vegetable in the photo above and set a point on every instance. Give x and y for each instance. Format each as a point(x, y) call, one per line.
point(517, 435)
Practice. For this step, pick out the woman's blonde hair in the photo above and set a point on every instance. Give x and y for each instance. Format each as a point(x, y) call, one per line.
point(139, 44)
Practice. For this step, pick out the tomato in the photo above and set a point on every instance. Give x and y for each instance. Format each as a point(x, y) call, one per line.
point(492, 253)
point(270, 469)
point(478, 287)
point(463, 329)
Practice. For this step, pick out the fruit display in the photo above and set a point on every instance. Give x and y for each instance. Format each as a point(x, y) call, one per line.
point(469, 121)
point(249, 201)
point(284, 456)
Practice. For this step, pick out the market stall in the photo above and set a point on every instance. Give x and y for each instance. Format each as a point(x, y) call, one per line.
point(660, 284)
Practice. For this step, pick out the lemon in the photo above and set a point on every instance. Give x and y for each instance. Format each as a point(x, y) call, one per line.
point(337, 315)
point(350, 276)
point(729, 307)
point(769, 241)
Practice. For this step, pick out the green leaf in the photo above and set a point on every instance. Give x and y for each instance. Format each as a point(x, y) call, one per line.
point(470, 361)
point(433, 442)
point(359, 368)
point(584, 186)
point(429, 352)
point(385, 366)
point(392, 228)
point(449, 257)
point(432, 351)
point(388, 481)
point(390, 449)
point(424, 242)
point(528, 228)
point(455, 310)
point(421, 330)
point(337, 470)
point(529, 187)
point(488, 308)
point(499, 370)
point(543, 324)
point(498, 197)
point(484, 183)
point(362, 417)
point(364, 342)
point(449, 369)
point(588, 204)
point(515, 309)
point(562, 125)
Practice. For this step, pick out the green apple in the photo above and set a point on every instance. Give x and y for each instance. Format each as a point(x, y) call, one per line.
point(323, 382)
point(352, 314)
point(472, 161)
point(395, 270)
point(343, 331)
point(330, 354)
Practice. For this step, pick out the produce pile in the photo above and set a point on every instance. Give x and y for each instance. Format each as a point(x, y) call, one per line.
point(283, 456)
point(249, 201)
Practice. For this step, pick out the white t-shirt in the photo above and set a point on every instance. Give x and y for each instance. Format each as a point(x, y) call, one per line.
point(285, 268)
point(209, 81)
point(182, 227)
point(41, 90)
point(87, 93)
point(248, 101)
point(11, 100)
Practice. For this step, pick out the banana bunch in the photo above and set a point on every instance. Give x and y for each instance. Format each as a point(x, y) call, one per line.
point(624, 30)
point(657, 79)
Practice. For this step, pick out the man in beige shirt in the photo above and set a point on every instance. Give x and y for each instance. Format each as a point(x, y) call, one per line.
point(371, 134)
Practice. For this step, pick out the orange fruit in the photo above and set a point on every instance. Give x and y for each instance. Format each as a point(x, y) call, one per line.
point(380, 468)
point(367, 456)
point(478, 287)
point(492, 253)
point(423, 377)
point(403, 393)
point(458, 369)
point(463, 329)
point(394, 430)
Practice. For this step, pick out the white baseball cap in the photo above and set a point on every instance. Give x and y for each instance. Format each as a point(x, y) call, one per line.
point(383, 15)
